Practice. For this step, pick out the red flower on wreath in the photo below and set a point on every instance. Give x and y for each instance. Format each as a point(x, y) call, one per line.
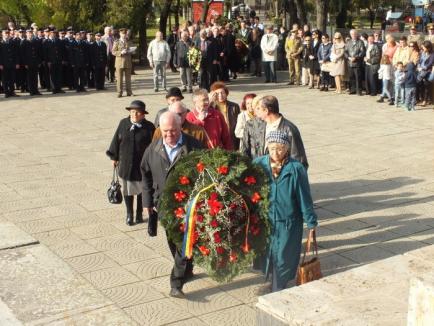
point(217, 238)
point(250, 180)
point(182, 227)
point(223, 170)
point(200, 167)
point(220, 250)
point(199, 218)
point(179, 212)
point(214, 223)
point(204, 250)
point(256, 197)
point(255, 230)
point(195, 236)
point(184, 180)
point(233, 257)
point(214, 205)
point(254, 219)
point(180, 196)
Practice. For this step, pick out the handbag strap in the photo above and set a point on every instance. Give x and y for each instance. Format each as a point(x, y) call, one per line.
point(310, 240)
point(115, 174)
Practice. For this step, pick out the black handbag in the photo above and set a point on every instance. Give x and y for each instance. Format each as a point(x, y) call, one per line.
point(114, 192)
point(153, 224)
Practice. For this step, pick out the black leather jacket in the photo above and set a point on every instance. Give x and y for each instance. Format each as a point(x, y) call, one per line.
point(355, 49)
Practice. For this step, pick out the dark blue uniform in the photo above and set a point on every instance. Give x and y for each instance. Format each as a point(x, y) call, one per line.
point(99, 62)
point(9, 59)
point(79, 58)
point(55, 55)
point(32, 59)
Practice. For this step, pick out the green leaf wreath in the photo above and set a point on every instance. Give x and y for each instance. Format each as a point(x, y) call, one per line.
point(227, 197)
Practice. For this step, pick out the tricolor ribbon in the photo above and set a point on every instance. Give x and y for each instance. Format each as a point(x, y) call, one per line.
point(190, 224)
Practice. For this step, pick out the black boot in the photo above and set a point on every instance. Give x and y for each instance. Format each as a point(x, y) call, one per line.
point(139, 210)
point(129, 204)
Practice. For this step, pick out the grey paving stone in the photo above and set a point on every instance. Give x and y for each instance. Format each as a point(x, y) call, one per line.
point(72, 248)
point(133, 294)
point(89, 263)
point(239, 315)
point(113, 242)
point(95, 231)
point(110, 277)
point(134, 254)
point(151, 268)
point(158, 312)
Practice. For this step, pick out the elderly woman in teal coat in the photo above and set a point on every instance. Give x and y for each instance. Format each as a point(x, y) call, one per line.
point(290, 205)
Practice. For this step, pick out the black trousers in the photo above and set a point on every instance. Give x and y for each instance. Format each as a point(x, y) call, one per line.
point(99, 77)
point(32, 79)
point(79, 78)
point(46, 77)
point(355, 80)
point(110, 71)
point(371, 78)
point(181, 268)
point(90, 77)
point(8, 80)
point(21, 78)
point(41, 73)
point(56, 76)
point(68, 76)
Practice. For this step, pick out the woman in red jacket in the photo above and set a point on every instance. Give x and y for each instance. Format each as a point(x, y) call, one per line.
point(211, 120)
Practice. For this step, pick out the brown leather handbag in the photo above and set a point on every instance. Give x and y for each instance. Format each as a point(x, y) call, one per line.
point(309, 270)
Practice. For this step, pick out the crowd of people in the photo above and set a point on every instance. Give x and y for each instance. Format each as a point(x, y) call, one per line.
point(48, 59)
point(400, 71)
point(145, 154)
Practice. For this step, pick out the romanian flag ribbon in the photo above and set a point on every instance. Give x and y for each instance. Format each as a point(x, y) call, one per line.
point(190, 223)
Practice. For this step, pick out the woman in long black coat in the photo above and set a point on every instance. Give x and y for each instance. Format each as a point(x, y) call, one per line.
point(132, 137)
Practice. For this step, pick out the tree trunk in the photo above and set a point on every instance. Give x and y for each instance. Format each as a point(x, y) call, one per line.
point(206, 4)
point(291, 9)
point(341, 18)
point(177, 12)
point(301, 11)
point(321, 14)
point(164, 15)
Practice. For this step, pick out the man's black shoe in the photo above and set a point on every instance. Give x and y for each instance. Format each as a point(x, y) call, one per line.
point(176, 293)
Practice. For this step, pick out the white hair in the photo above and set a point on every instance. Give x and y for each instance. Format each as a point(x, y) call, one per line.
point(177, 104)
point(168, 117)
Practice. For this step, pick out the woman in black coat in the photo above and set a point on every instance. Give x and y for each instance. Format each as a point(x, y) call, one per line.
point(132, 137)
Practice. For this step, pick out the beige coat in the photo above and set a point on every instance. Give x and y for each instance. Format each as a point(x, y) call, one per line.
point(338, 59)
point(122, 60)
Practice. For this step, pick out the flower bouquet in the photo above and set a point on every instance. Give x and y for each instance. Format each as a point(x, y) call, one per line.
point(214, 207)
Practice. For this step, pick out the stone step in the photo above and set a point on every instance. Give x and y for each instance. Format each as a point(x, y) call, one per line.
point(373, 294)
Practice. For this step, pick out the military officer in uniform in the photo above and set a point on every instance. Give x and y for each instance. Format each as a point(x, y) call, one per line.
point(121, 50)
point(68, 74)
point(55, 54)
point(46, 71)
point(9, 63)
point(21, 80)
point(79, 61)
point(293, 48)
point(32, 58)
point(99, 61)
point(414, 36)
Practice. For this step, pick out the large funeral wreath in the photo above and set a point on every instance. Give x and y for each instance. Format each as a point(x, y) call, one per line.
point(214, 207)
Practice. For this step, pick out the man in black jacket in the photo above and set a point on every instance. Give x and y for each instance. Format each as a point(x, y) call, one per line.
point(181, 61)
point(32, 58)
point(9, 63)
point(79, 58)
point(355, 52)
point(98, 59)
point(55, 55)
point(158, 161)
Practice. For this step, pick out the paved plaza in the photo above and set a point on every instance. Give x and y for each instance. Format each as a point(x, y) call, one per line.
point(371, 174)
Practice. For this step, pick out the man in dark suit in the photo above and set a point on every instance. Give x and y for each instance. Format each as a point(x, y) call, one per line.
point(158, 161)
point(99, 61)
point(32, 58)
point(55, 55)
point(9, 63)
point(21, 80)
point(68, 74)
point(45, 78)
point(79, 61)
point(208, 66)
